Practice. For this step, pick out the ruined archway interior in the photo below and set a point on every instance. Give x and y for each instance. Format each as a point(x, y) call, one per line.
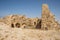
point(17, 25)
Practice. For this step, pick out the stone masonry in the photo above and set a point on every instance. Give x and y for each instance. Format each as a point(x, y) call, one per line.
point(46, 22)
point(48, 19)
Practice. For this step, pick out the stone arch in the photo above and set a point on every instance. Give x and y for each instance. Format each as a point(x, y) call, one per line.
point(24, 25)
point(17, 25)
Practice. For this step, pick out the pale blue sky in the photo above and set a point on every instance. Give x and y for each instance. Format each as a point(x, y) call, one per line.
point(30, 8)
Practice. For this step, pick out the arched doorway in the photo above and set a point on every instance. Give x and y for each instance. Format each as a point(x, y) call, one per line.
point(17, 25)
point(24, 25)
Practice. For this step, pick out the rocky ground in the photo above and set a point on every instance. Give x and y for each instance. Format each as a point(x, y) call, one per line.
point(7, 33)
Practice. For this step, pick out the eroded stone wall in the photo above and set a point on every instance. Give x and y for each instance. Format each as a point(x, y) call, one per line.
point(20, 21)
point(48, 19)
point(46, 22)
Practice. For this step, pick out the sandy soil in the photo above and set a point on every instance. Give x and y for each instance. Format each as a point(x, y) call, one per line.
point(7, 33)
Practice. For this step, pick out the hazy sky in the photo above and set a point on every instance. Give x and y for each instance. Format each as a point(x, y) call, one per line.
point(30, 8)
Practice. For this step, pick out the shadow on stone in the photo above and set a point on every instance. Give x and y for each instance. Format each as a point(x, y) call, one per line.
point(38, 26)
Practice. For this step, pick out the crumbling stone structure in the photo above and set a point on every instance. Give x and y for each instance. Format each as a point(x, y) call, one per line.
point(48, 19)
point(46, 22)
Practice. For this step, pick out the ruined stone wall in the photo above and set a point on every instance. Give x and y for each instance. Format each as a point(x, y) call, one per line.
point(19, 21)
point(48, 19)
point(46, 22)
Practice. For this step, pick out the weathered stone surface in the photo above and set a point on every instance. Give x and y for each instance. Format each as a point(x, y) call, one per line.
point(20, 20)
point(48, 19)
point(7, 33)
point(46, 22)
point(12, 27)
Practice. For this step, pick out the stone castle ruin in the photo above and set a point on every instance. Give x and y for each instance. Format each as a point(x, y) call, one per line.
point(46, 22)
point(48, 19)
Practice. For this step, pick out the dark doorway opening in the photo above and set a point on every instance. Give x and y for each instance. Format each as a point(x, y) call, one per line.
point(17, 25)
point(38, 26)
point(12, 25)
point(34, 23)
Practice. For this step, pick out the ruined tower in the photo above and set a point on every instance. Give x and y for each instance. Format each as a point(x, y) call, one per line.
point(45, 12)
point(48, 19)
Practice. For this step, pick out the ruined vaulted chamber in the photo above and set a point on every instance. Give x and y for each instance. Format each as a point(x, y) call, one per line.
point(46, 22)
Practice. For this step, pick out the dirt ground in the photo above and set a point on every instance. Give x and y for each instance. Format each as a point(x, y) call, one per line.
point(7, 33)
